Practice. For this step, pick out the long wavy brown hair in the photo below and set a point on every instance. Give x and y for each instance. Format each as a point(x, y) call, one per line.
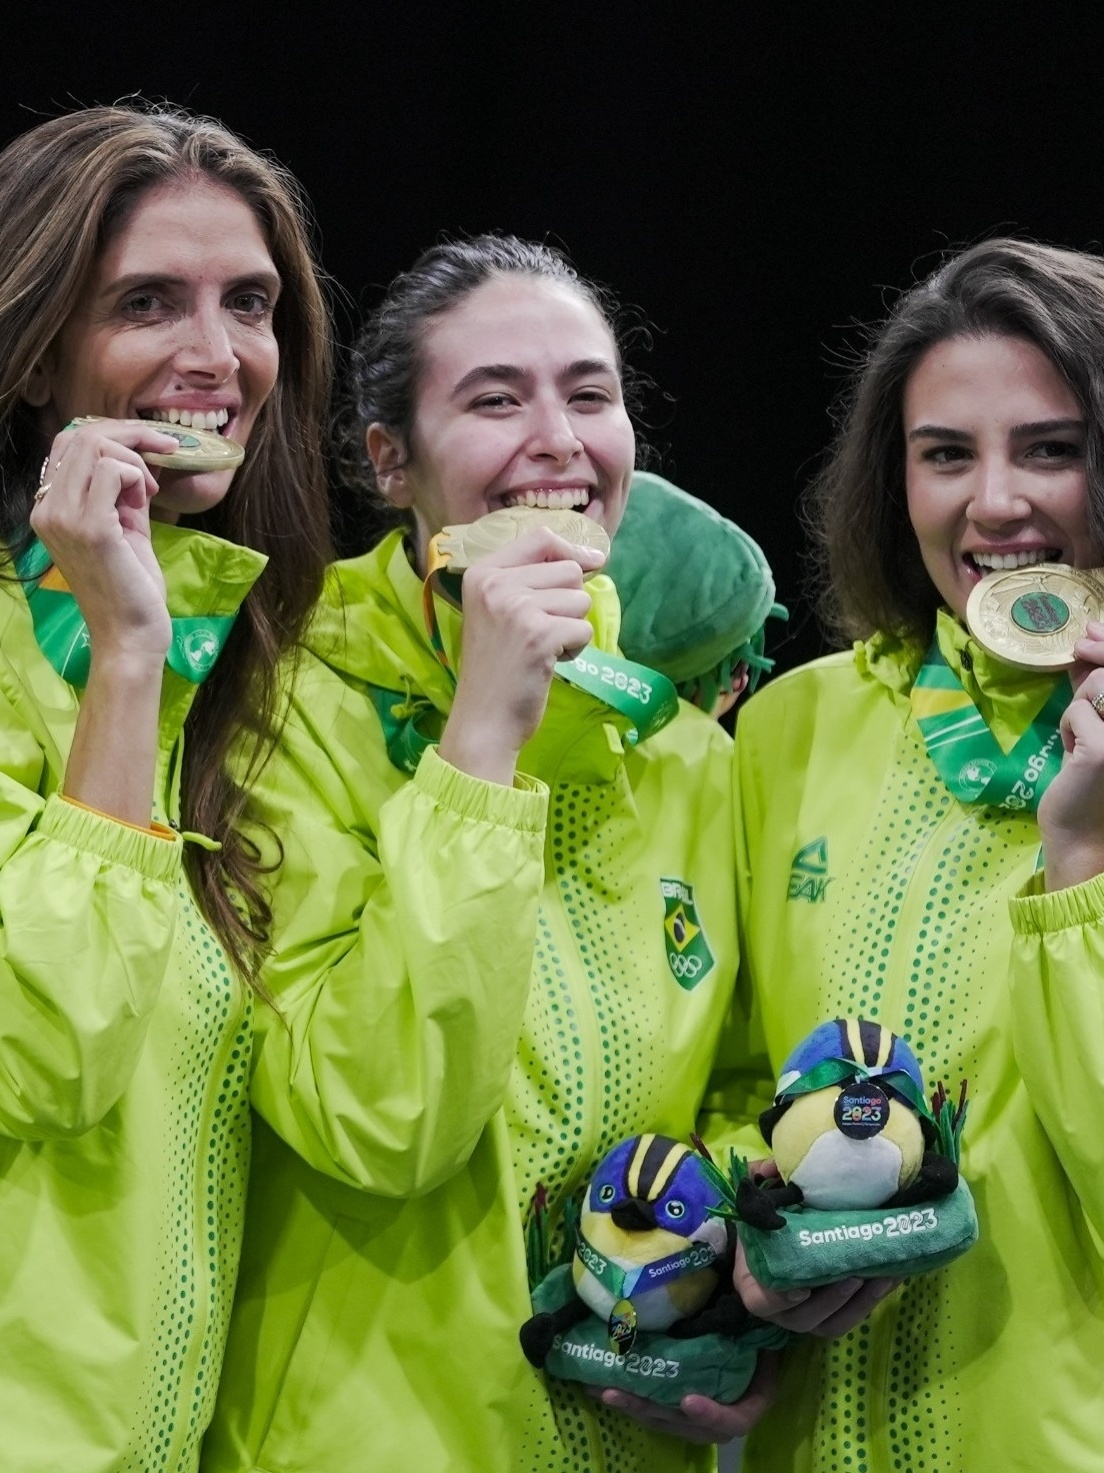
point(868, 564)
point(65, 186)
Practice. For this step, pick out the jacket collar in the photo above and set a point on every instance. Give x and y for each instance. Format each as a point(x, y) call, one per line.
point(1008, 697)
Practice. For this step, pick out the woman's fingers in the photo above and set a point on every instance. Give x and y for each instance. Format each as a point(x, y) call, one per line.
point(525, 608)
point(542, 545)
point(698, 1419)
point(92, 514)
point(79, 447)
point(1071, 813)
point(828, 1311)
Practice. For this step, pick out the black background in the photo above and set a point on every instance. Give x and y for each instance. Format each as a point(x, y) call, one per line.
point(758, 180)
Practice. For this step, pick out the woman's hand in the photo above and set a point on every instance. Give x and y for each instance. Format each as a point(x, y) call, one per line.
point(525, 608)
point(94, 521)
point(828, 1312)
point(1071, 813)
point(696, 1418)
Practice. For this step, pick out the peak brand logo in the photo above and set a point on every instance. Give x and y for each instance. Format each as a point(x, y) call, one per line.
point(688, 951)
point(809, 877)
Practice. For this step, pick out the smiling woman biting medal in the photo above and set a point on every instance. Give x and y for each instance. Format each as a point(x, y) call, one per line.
point(150, 470)
point(950, 796)
point(503, 925)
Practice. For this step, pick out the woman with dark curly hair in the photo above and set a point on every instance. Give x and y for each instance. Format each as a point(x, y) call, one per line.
point(157, 296)
point(951, 805)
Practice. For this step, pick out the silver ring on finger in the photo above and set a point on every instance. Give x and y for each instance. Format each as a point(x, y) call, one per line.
point(43, 484)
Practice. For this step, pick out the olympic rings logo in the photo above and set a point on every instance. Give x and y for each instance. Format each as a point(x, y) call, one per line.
point(684, 966)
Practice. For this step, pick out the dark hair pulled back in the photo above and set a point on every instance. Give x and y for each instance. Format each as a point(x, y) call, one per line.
point(385, 364)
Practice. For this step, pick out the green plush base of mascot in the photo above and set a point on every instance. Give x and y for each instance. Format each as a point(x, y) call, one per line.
point(659, 1366)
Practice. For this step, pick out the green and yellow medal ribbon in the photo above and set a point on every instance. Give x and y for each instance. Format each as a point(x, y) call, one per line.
point(831, 1072)
point(62, 634)
point(970, 760)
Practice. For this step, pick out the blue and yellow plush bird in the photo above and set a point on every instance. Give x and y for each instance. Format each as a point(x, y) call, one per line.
point(850, 1127)
point(653, 1249)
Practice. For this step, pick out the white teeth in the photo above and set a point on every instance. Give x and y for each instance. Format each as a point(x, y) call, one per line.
point(195, 419)
point(553, 500)
point(1003, 560)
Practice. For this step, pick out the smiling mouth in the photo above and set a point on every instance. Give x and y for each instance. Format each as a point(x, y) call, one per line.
point(569, 498)
point(192, 419)
point(991, 562)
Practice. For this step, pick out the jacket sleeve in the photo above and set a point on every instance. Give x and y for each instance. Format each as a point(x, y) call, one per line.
point(405, 916)
point(1057, 983)
point(87, 910)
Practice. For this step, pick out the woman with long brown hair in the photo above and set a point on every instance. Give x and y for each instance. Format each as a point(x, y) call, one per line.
point(155, 276)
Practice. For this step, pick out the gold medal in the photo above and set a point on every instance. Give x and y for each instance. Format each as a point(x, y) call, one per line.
point(622, 1327)
point(1033, 616)
point(199, 450)
point(460, 546)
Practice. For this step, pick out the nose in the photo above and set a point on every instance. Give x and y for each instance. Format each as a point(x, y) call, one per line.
point(205, 352)
point(997, 498)
point(553, 435)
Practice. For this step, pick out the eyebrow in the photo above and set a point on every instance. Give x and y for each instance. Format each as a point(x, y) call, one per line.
point(962, 437)
point(270, 279)
point(510, 373)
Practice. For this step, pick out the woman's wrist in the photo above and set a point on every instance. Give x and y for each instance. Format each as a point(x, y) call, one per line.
point(478, 749)
point(1071, 858)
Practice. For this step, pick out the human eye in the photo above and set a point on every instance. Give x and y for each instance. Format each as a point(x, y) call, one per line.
point(143, 303)
point(591, 397)
point(1060, 451)
point(251, 302)
point(498, 401)
point(944, 456)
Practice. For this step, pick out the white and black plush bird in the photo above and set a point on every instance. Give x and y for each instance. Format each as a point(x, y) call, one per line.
point(850, 1127)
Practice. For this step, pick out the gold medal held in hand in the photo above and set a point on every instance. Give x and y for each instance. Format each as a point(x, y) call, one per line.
point(1034, 616)
point(199, 450)
point(457, 548)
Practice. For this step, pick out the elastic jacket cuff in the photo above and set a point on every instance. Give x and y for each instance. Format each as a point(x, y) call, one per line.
point(523, 807)
point(1036, 911)
point(155, 855)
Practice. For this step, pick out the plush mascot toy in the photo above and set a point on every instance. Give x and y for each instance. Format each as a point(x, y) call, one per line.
point(855, 1141)
point(646, 1301)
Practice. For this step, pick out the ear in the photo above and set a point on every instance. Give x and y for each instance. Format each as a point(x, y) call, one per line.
point(37, 389)
point(387, 452)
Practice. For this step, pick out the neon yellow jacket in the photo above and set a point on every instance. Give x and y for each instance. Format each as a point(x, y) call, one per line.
point(476, 997)
point(868, 889)
point(123, 1055)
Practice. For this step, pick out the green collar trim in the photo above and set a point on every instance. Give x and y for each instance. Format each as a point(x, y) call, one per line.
point(62, 634)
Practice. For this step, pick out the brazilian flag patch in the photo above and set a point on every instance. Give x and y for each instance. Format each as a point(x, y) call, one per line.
point(688, 952)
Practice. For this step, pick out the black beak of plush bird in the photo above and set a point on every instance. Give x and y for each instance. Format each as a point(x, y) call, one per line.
point(634, 1216)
